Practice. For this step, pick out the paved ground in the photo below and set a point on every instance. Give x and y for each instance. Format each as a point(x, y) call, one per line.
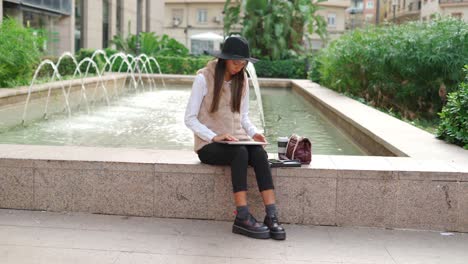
point(49, 238)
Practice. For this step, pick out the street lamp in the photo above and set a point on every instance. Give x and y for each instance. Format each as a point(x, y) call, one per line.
point(394, 4)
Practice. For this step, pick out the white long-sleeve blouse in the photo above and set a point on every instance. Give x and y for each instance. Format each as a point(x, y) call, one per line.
point(199, 90)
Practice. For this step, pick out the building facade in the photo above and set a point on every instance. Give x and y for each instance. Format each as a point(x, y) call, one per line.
point(400, 11)
point(454, 8)
point(186, 18)
point(334, 13)
point(74, 24)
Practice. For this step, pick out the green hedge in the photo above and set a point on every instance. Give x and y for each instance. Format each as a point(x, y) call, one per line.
point(407, 68)
point(66, 67)
point(19, 54)
point(294, 69)
point(181, 65)
point(87, 53)
point(291, 69)
point(453, 125)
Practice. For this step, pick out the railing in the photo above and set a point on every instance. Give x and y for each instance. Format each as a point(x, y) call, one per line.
point(59, 6)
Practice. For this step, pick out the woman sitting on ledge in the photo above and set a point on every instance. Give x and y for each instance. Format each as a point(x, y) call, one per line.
point(218, 111)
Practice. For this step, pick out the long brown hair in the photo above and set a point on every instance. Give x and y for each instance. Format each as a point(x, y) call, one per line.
point(237, 83)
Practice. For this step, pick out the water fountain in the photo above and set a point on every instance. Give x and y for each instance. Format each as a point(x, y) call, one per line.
point(144, 59)
point(55, 74)
point(129, 71)
point(253, 75)
point(96, 68)
point(141, 65)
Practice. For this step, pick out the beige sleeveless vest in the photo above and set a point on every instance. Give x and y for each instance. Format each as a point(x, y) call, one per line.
point(224, 120)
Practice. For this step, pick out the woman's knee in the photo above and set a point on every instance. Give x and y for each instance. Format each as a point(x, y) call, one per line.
point(258, 153)
point(241, 151)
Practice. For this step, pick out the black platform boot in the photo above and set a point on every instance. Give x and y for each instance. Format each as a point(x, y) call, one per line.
point(276, 229)
point(250, 227)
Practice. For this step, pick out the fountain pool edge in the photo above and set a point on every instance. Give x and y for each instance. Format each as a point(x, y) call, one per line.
point(391, 192)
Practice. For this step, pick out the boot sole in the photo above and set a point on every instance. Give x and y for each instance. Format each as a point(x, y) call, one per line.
point(278, 235)
point(252, 234)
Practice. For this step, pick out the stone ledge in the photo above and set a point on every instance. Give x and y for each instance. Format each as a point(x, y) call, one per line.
point(392, 136)
point(361, 192)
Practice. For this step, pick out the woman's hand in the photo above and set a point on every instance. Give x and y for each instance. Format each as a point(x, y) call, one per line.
point(224, 137)
point(259, 137)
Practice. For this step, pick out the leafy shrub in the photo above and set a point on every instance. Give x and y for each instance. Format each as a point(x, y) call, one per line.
point(19, 54)
point(293, 69)
point(179, 65)
point(408, 68)
point(314, 66)
point(88, 53)
point(151, 45)
point(453, 125)
point(66, 67)
point(190, 65)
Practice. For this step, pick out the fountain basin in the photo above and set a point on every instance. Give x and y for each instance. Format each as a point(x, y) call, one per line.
point(422, 191)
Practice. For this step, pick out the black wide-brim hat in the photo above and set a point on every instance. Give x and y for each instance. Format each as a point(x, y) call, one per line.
point(234, 48)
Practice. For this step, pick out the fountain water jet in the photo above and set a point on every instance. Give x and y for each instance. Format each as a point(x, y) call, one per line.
point(54, 75)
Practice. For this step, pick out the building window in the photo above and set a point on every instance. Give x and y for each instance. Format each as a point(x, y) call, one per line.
point(105, 24)
point(202, 16)
point(177, 17)
point(370, 5)
point(331, 18)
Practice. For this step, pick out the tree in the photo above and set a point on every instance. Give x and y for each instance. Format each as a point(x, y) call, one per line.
point(275, 28)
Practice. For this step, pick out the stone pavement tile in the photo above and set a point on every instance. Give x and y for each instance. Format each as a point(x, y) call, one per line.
point(427, 254)
point(255, 261)
point(140, 258)
point(311, 262)
point(90, 240)
point(428, 247)
point(256, 248)
point(301, 233)
point(316, 251)
point(200, 228)
point(361, 245)
point(364, 253)
point(96, 222)
point(310, 244)
point(354, 235)
point(205, 246)
point(15, 254)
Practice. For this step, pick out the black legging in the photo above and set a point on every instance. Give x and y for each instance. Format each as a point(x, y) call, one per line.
point(239, 157)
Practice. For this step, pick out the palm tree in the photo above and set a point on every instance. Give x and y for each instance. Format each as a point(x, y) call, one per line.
point(275, 28)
